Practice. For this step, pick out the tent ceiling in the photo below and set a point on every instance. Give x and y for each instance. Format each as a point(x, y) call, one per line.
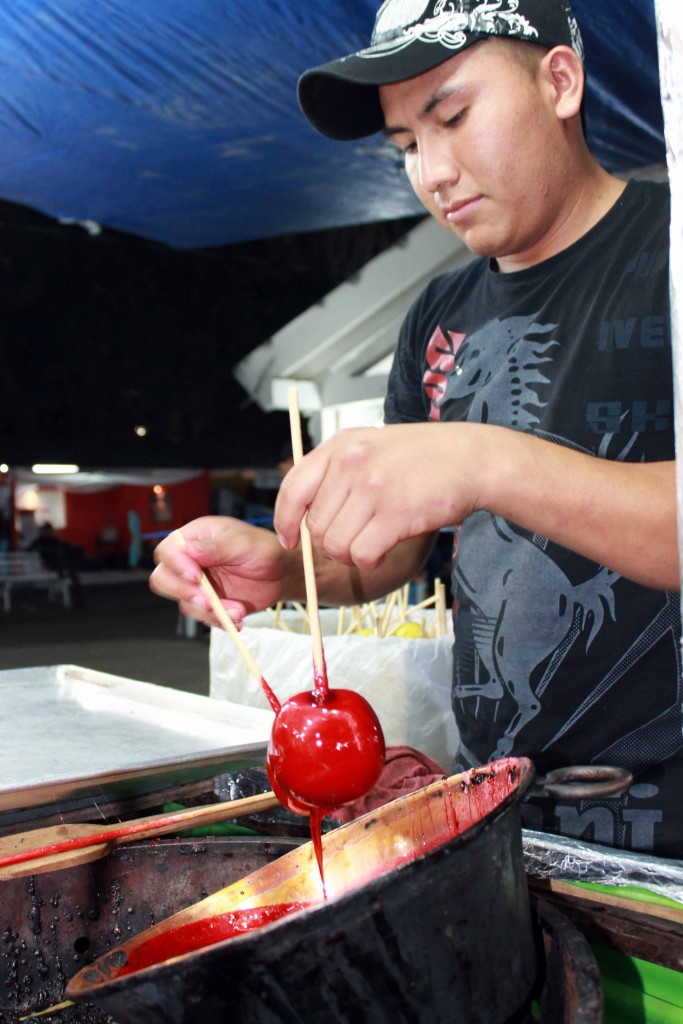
point(178, 121)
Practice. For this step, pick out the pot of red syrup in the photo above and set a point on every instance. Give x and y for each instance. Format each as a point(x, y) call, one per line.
point(427, 919)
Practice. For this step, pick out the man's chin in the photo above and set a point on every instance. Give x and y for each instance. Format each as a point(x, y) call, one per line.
point(478, 241)
point(479, 244)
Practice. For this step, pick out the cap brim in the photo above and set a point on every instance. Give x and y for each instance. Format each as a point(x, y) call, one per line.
point(339, 108)
point(340, 99)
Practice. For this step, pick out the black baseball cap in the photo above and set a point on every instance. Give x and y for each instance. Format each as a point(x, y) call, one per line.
point(341, 100)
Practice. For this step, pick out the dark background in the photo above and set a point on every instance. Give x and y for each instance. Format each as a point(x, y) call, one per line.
point(101, 334)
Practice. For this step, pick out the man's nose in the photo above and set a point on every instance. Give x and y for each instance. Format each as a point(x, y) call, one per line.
point(437, 166)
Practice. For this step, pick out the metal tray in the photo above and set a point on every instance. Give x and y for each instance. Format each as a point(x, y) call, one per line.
point(69, 735)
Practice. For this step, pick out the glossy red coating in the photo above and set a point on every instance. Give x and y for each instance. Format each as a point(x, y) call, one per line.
point(325, 750)
point(288, 801)
point(201, 933)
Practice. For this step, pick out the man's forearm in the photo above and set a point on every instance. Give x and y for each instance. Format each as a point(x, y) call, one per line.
point(622, 515)
point(366, 492)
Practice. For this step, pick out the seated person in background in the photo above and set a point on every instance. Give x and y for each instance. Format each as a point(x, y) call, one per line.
point(49, 547)
point(58, 556)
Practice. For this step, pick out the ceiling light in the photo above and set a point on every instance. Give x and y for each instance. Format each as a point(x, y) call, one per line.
point(60, 468)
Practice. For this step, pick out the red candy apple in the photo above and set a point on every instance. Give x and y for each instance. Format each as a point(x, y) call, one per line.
point(325, 750)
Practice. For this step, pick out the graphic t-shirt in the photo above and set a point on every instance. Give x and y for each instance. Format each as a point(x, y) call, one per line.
point(558, 658)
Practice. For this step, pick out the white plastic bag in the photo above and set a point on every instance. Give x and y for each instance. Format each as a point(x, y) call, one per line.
point(407, 681)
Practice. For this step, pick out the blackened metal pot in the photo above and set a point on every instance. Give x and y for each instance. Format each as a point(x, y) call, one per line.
point(156, 878)
point(52, 924)
point(427, 920)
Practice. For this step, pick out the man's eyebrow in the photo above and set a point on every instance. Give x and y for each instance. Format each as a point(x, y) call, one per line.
point(429, 107)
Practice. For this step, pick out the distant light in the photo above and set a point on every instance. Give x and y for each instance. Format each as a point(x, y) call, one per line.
point(29, 501)
point(141, 431)
point(158, 489)
point(56, 468)
point(4, 468)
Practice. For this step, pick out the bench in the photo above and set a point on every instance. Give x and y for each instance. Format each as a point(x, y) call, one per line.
point(25, 568)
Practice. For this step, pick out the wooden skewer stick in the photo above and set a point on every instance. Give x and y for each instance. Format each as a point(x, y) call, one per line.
point(53, 847)
point(303, 612)
point(221, 614)
point(366, 616)
point(442, 624)
point(341, 620)
point(405, 599)
point(307, 551)
point(57, 1008)
point(229, 626)
point(278, 621)
point(390, 601)
point(427, 603)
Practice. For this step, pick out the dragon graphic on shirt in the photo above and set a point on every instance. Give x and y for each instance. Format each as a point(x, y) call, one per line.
point(518, 634)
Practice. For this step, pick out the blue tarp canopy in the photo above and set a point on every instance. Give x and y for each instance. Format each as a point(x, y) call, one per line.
point(177, 120)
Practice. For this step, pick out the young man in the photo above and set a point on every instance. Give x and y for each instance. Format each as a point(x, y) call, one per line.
point(530, 404)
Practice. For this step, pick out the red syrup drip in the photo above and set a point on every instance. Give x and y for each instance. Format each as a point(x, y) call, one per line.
point(316, 816)
point(206, 932)
point(270, 696)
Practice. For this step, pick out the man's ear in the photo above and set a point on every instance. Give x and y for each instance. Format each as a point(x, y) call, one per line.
point(562, 71)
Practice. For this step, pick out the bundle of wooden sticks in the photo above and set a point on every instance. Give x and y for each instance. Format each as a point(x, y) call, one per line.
point(390, 616)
